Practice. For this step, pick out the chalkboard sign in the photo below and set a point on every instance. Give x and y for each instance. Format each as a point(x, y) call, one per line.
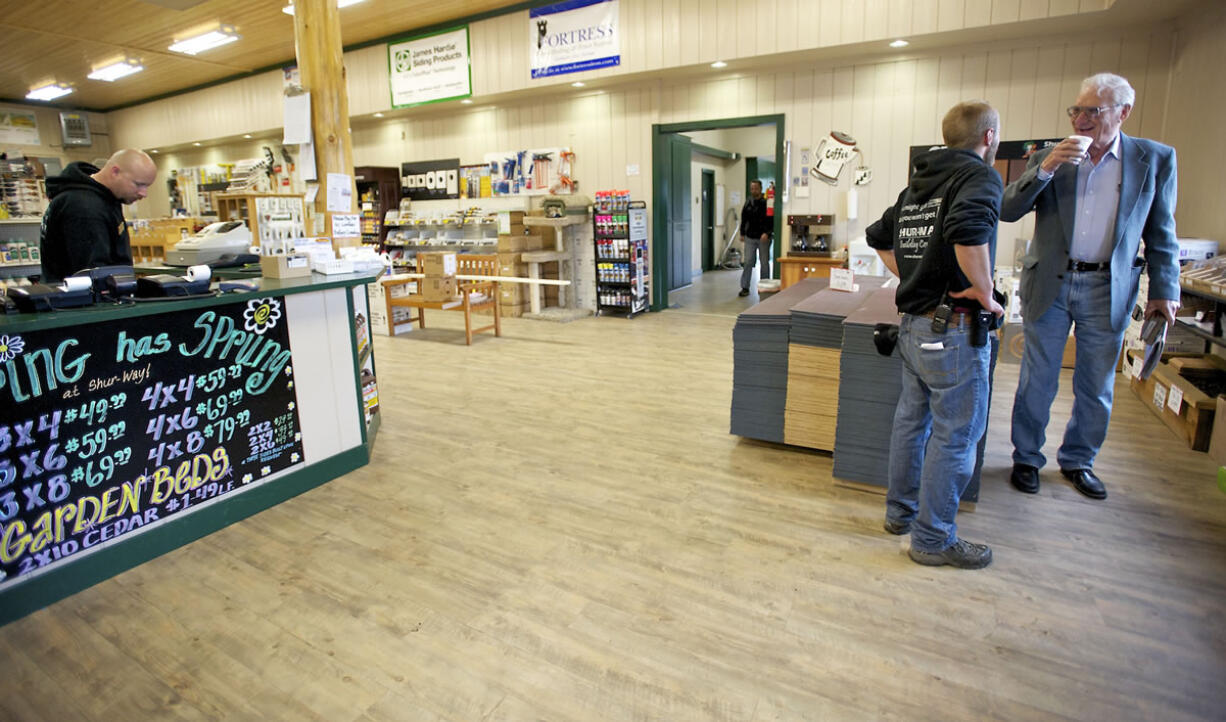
point(108, 429)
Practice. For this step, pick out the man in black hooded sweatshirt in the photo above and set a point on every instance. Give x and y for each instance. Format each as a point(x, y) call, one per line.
point(84, 225)
point(939, 239)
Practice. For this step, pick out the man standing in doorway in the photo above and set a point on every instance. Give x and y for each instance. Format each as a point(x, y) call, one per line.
point(938, 239)
point(756, 229)
point(1093, 207)
point(84, 226)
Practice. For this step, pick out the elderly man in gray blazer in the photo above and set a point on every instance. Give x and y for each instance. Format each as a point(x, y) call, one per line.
point(1096, 195)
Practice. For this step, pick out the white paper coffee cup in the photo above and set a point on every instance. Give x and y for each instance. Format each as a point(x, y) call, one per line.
point(1082, 140)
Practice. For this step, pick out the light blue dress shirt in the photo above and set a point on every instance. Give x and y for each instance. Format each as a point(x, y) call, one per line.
point(1098, 201)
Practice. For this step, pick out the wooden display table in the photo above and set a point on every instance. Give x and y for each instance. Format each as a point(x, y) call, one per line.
point(792, 269)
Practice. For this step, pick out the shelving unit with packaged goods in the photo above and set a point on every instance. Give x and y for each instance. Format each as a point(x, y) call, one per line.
point(620, 231)
point(378, 192)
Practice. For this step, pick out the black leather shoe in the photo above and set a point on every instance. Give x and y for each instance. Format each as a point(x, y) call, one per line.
point(1085, 482)
point(1025, 478)
point(744, 292)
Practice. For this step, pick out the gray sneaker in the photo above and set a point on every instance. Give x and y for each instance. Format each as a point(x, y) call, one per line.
point(962, 555)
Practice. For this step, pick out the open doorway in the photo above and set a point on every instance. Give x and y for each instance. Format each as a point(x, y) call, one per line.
point(700, 177)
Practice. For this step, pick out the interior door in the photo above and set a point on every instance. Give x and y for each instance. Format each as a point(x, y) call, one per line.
point(680, 234)
point(708, 220)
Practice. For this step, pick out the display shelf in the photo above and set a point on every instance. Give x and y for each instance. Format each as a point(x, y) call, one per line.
point(20, 270)
point(268, 215)
point(620, 230)
point(1212, 334)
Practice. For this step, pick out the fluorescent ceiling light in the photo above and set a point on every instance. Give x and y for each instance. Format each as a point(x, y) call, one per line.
point(196, 144)
point(578, 84)
point(289, 9)
point(900, 43)
point(215, 38)
point(115, 70)
point(154, 150)
point(248, 135)
point(467, 101)
point(378, 115)
point(51, 91)
point(719, 64)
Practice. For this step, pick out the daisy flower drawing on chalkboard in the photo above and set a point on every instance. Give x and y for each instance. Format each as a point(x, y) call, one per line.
point(261, 314)
point(10, 347)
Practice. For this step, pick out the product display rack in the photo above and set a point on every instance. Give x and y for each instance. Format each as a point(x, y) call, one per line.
point(620, 230)
point(378, 192)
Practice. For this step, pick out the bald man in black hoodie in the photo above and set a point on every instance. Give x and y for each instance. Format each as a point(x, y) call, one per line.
point(84, 225)
point(938, 239)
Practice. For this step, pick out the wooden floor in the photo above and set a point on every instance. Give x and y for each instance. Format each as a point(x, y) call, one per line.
point(557, 525)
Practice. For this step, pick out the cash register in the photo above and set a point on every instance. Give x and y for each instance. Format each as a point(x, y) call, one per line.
point(226, 238)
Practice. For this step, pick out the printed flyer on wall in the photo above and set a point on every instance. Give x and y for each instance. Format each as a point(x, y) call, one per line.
point(574, 36)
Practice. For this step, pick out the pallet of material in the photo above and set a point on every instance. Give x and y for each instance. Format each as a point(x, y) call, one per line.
point(760, 363)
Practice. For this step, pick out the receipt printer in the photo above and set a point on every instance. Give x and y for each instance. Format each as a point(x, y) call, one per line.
point(43, 297)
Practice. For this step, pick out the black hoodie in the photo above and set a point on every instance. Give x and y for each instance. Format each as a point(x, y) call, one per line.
point(953, 198)
point(83, 226)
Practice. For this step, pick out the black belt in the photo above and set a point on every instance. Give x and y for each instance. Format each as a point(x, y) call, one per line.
point(1083, 267)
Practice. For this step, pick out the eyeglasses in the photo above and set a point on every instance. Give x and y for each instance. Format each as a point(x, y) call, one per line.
point(1090, 111)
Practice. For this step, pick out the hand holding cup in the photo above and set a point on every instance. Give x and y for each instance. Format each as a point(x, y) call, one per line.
point(1072, 149)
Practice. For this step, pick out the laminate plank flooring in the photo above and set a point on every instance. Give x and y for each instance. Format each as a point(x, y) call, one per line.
point(557, 525)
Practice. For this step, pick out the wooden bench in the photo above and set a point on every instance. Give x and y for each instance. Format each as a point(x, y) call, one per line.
point(467, 265)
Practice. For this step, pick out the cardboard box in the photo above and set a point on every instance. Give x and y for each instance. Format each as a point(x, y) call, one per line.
point(510, 221)
point(289, 266)
point(1013, 342)
point(437, 264)
point(439, 289)
point(512, 244)
point(1196, 249)
point(1193, 420)
point(534, 243)
point(511, 293)
point(512, 310)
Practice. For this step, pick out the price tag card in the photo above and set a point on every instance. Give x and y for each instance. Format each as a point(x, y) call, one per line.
point(1174, 399)
point(842, 279)
point(1159, 395)
point(1138, 363)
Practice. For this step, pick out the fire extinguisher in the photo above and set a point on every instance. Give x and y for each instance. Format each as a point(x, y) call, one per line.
point(770, 200)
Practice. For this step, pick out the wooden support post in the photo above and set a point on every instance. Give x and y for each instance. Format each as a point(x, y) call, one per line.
point(317, 38)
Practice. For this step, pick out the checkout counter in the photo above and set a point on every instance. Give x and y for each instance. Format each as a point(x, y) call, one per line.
point(130, 429)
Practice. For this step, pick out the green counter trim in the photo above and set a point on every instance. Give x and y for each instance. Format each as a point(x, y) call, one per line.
point(17, 323)
point(46, 589)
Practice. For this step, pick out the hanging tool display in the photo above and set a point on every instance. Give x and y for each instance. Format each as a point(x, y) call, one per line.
point(540, 170)
point(566, 170)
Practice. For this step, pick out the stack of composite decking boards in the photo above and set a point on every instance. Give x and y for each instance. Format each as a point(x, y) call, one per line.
point(815, 347)
point(760, 362)
point(807, 373)
point(869, 384)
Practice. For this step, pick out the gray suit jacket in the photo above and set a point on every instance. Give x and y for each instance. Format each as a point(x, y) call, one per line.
point(1146, 211)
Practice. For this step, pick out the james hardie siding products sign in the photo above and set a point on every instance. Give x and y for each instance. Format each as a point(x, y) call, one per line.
point(430, 68)
point(108, 429)
point(573, 36)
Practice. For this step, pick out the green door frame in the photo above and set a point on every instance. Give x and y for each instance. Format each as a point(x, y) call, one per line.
point(660, 169)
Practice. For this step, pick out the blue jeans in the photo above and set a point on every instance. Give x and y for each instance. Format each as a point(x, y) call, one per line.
point(941, 414)
point(1085, 303)
point(755, 247)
